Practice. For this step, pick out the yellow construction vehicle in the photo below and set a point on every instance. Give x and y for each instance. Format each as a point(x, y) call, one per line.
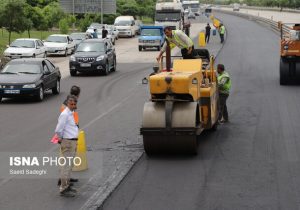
point(184, 102)
point(289, 52)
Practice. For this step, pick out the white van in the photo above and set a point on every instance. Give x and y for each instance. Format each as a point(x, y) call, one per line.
point(126, 26)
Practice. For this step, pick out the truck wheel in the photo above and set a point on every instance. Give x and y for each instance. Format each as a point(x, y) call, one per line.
point(283, 73)
point(158, 48)
point(140, 48)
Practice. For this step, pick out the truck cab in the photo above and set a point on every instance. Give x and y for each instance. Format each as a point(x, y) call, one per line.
point(151, 37)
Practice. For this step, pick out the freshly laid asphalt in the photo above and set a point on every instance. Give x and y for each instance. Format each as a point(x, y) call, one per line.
point(250, 163)
point(110, 109)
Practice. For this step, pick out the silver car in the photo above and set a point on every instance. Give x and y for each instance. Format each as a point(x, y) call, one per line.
point(26, 48)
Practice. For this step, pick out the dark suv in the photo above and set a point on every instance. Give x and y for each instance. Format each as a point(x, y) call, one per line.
point(93, 55)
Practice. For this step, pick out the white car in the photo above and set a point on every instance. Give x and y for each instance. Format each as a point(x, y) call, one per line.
point(60, 44)
point(114, 29)
point(26, 48)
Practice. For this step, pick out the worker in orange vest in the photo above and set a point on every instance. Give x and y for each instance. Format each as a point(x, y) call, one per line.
point(74, 91)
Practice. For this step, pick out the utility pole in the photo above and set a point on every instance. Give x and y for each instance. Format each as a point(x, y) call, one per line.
point(101, 11)
point(73, 25)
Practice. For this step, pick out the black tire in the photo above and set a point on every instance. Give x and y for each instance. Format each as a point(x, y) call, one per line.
point(40, 95)
point(0, 99)
point(283, 73)
point(56, 88)
point(158, 48)
point(140, 48)
point(33, 55)
point(106, 72)
point(73, 73)
point(115, 65)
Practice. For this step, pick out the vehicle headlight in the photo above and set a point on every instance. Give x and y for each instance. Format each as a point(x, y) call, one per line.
point(29, 86)
point(72, 58)
point(101, 57)
point(1, 86)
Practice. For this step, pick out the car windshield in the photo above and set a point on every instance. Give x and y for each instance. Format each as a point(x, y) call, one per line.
point(23, 43)
point(91, 47)
point(17, 68)
point(123, 23)
point(61, 39)
point(167, 16)
point(150, 32)
point(80, 36)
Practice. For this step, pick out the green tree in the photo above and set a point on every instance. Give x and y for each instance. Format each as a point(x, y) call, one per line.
point(64, 26)
point(53, 13)
point(14, 17)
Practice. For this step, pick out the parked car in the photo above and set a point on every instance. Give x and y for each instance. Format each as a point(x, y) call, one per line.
point(111, 36)
point(93, 55)
point(78, 37)
point(60, 44)
point(114, 30)
point(25, 48)
point(138, 24)
point(29, 77)
point(151, 37)
point(191, 15)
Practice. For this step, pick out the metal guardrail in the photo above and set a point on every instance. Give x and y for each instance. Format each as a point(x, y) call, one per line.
point(273, 24)
point(265, 8)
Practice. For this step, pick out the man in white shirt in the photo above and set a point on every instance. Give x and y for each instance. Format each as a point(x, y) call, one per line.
point(67, 131)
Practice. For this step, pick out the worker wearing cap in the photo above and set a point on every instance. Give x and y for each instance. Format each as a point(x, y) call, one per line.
point(224, 85)
point(180, 39)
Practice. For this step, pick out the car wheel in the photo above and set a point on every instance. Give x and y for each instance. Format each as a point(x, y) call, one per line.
point(158, 48)
point(140, 48)
point(106, 69)
point(73, 73)
point(0, 99)
point(56, 88)
point(66, 53)
point(115, 65)
point(33, 55)
point(40, 95)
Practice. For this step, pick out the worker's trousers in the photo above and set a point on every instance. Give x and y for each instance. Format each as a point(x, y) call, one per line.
point(67, 151)
point(185, 55)
point(207, 36)
point(223, 112)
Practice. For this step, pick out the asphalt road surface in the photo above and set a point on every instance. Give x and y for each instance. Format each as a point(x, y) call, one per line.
point(251, 162)
point(110, 110)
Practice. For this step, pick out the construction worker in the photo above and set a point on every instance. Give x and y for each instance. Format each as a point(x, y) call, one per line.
point(222, 32)
point(180, 39)
point(207, 33)
point(224, 85)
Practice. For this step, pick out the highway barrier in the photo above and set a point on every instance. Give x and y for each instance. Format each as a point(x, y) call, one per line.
point(273, 24)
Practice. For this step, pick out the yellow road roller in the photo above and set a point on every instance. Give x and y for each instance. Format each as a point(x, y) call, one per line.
point(183, 103)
